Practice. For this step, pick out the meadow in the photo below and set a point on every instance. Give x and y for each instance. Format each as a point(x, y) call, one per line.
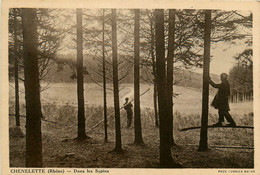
point(59, 104)
point(188, 102)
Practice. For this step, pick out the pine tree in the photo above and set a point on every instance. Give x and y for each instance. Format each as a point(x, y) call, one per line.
point(170, 70)
point(32, 91)
point(118, 146)
point(137, 116)
point(80, 77)
point(16, 70)
point(203, 145)
point(166, 159)
point(104, 76)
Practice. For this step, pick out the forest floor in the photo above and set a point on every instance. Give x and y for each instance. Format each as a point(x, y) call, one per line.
point(60, 149)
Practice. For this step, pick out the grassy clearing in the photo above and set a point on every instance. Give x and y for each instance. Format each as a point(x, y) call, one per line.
point(59, 143)
point(188, 102)
point(60, 150)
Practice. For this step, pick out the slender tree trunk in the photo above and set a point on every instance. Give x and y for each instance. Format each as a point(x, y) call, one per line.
point(154, 74)
point(203, 145)
point(16, 72)
point(170, 70)
point(31, 85)
point(104, 77)
point(40, 97)
point(80, 78)
point(137, 121)
point(155, 103)
point(118, 147)
point(166, 159)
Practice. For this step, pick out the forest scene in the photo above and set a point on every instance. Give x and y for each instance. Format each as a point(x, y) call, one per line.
point(130, 88)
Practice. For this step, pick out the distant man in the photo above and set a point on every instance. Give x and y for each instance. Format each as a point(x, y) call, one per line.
point(220, 100)
point(128, 107)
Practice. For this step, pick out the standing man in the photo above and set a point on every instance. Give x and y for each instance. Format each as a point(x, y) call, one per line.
point(220, 100)
point(128, 107)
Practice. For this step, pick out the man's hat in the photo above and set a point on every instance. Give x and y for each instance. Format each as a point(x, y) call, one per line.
point(224, 75)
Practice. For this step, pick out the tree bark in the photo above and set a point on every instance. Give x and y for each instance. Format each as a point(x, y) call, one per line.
point(40, 97)
point(137, 118)
point(154, 74)
point(203, 145)
point(31, 84)
point(166, 159)
point(80, 77)
point(16, 72)
point(170, 70)
point(104, 76)
point(118, 146)
point(155, 103)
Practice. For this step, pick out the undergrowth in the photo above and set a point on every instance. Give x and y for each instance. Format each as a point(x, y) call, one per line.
point(58, 140)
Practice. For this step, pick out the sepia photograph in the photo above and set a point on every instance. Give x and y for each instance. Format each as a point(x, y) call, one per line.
point(90, 89)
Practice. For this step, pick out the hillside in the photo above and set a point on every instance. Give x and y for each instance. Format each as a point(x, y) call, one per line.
point(93, 73)
point(65, 72)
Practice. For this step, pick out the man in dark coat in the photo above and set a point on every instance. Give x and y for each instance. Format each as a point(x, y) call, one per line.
point(220, 100)
point(128, 107)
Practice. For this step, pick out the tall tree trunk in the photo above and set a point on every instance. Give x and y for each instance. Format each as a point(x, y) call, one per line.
point(166, 159)
point(16, 72)
point(154, 74)
point(203, 145)
point(104, 76)
point(31, 85)
point(170, 70)
point(155, 103)
point(80, 78)
point(40, 89)
point(137, 121)
point(118, 147)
